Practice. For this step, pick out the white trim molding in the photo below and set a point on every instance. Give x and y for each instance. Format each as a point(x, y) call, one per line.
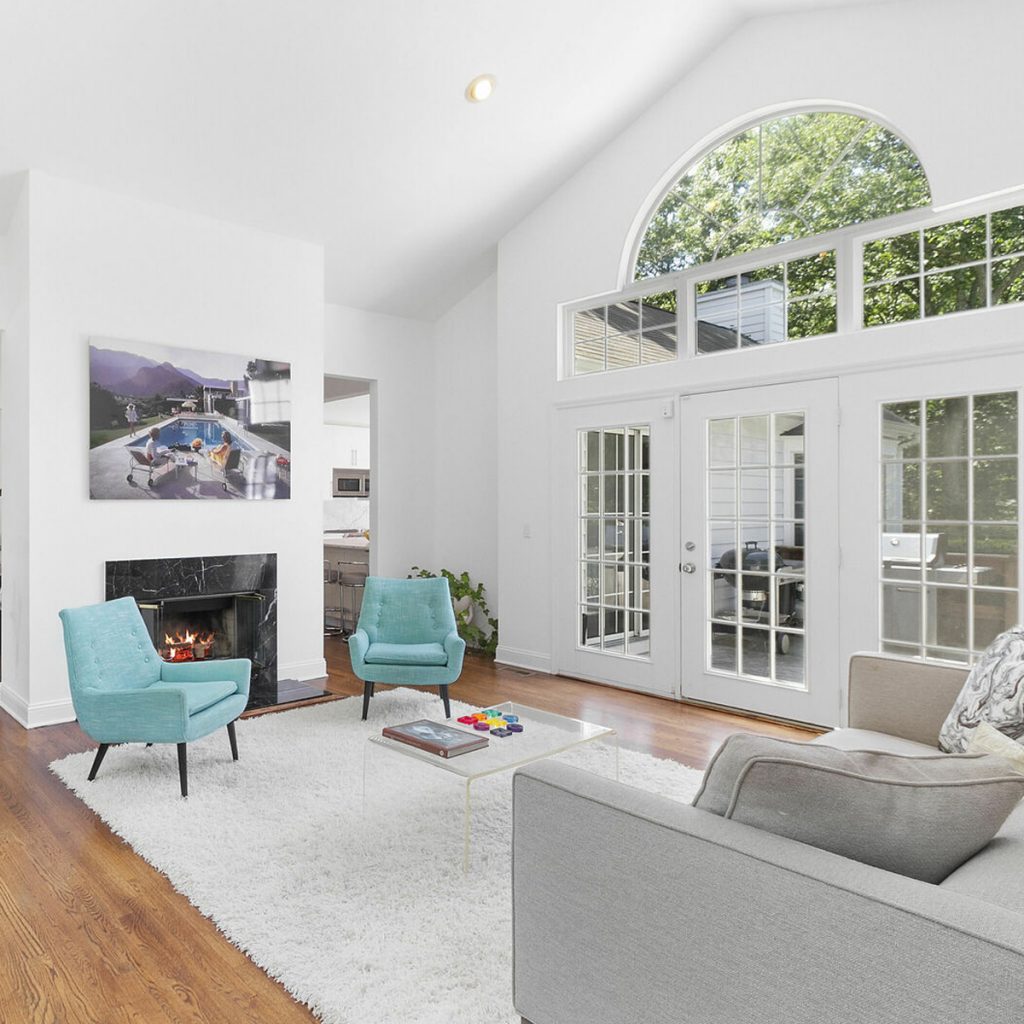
point(315, 668)
point(32, 716)
point(515, 657)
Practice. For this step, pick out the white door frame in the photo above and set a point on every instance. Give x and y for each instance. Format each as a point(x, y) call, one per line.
point(820, 701)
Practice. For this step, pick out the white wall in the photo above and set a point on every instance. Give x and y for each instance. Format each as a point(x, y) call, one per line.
point(433, 465)
point(101, 264)
point(396, 354)
point(466, 439)
point(14, 403)
point(894, 61)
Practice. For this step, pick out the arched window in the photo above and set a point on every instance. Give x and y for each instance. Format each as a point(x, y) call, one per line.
point(791, 177)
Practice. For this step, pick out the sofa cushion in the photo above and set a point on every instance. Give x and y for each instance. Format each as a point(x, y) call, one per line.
point(987, 739)
point(920, 816)
point(406, 654)
point(993, 693)
point(995, 874)
point(865, 739)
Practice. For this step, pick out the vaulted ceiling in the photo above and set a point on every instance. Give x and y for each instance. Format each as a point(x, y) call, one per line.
point(344, 121)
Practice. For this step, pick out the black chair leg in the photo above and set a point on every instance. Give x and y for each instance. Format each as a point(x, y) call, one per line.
point(100, 752)
point(183, 767)
point(234, 741)
point(443, 690)
point(367, 694)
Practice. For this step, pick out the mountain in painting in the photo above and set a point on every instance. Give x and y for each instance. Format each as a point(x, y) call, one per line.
point(135, 376)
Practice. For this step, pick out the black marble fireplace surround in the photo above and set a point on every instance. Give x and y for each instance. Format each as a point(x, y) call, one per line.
point(234, 596)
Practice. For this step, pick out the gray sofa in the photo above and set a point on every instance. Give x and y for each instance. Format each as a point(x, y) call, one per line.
point(630, 908)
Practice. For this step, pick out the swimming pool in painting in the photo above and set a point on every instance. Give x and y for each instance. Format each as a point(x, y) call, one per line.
point(185, 431)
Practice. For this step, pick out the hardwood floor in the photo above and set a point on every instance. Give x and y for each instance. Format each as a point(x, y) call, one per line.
point(91, 934)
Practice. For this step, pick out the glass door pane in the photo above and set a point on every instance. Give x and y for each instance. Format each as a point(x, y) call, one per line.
point(614, 540)
point(948, 524)
point(755, 544)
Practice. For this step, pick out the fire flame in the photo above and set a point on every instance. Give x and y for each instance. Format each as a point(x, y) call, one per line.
point(188, 637)
point(188, 645)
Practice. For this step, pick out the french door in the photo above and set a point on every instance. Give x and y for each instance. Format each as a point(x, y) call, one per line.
point(760, 550)
point(617, 544)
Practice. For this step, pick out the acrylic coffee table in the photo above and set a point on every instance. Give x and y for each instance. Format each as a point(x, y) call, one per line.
point(544, 735)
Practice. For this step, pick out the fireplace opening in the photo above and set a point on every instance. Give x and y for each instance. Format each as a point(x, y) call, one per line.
point(205, 628)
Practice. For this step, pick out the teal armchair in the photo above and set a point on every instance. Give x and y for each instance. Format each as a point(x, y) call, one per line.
point(123, 692)
point(407, 636)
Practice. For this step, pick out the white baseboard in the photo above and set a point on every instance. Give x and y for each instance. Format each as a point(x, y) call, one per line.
point(316, 668)
point(32, 716)
point(537, 661)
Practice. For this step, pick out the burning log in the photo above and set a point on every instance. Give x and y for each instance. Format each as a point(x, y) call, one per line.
point(188, 646)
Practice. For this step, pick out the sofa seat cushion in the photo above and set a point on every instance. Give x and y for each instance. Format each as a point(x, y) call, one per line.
point(200, 696)
point(996, 874)
point(406, 654)
point(921, 816)
point(865, 739)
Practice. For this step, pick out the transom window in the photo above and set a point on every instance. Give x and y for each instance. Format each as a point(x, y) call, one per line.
point(791, 177)
point(765, 305)
point(963, 264)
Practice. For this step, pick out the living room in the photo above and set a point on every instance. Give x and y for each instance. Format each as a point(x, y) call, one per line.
point(702, 501)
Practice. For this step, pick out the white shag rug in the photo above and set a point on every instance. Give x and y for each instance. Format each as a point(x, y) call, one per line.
point(362, 912)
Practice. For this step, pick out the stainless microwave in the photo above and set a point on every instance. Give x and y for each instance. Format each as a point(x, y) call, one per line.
point(351, 483)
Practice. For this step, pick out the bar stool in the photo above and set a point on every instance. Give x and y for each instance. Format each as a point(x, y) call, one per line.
point(352, 580)
point(333, 600)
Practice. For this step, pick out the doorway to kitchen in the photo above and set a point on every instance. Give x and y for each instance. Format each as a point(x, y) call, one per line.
point(349, 498)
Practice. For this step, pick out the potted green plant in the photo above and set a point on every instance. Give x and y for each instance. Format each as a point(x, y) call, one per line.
point(468, 599)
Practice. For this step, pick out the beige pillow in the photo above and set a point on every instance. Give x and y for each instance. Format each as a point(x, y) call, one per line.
point(916, 816)
point(987, 739)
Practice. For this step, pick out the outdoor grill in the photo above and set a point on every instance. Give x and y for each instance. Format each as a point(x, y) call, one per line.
point(753, 596)
point(904, 550)
point(902, 560)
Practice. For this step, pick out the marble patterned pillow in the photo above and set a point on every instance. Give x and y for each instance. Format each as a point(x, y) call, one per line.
point(993, 693)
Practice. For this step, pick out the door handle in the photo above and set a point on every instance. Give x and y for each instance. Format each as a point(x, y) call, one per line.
point(689, 568)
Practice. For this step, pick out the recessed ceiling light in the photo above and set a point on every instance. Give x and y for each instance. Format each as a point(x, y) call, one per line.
point(480, 88)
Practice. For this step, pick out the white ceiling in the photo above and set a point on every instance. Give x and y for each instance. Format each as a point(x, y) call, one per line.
point(344, 122)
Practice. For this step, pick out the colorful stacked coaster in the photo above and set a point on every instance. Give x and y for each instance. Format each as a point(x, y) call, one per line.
point(499, 723)
point(493, 721)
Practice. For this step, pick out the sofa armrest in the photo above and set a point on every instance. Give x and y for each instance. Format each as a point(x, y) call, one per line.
point(358, 645)
point(455, 648)
point(237, 670)
point(902, 697)
point(632, 907)
point(133, 716)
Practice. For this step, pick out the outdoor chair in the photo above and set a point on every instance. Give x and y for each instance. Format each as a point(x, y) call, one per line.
point(138, 463)
point(232, 464)
point(407, 636)
point(123, 692)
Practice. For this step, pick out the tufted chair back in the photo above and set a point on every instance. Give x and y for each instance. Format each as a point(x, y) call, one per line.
point(415, 611)
point(108, 648)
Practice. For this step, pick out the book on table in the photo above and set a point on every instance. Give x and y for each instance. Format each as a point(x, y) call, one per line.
point(435, 738)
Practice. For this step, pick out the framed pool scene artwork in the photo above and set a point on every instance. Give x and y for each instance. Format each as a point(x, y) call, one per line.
point(180, 423)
